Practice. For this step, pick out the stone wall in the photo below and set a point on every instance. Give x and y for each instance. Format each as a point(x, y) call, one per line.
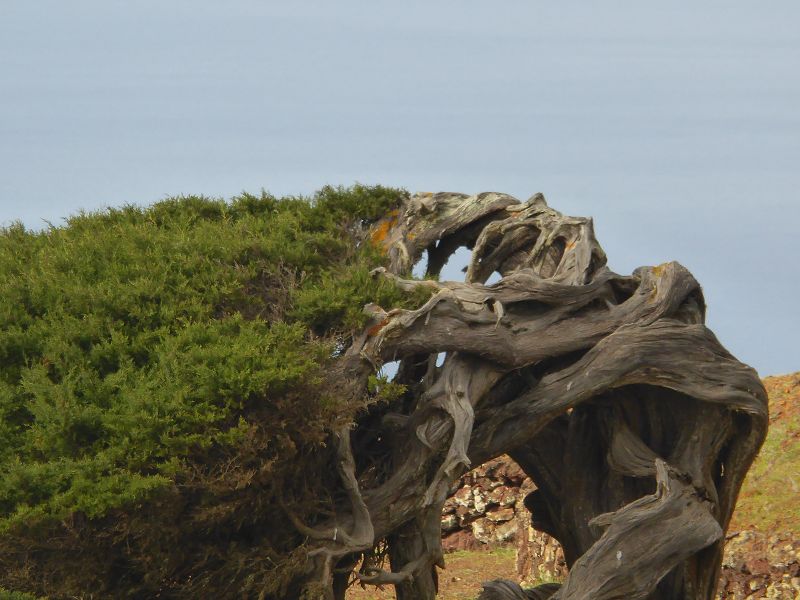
point(483, 510)
point(487, 510)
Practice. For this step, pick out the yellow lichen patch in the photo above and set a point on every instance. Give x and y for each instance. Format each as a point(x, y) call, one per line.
point(570, 246)
point(382, 229)
point(657, 272)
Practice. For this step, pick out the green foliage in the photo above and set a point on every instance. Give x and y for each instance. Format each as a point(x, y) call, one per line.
point(7, 595)
point(146, 353)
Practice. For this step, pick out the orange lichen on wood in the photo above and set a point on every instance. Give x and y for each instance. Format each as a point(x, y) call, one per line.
point(382, 229)
point(376, 328)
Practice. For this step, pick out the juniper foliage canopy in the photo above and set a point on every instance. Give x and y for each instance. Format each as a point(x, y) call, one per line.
point(165, 376)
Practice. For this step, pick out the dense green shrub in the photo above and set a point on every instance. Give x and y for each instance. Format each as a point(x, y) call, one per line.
point(163, 373)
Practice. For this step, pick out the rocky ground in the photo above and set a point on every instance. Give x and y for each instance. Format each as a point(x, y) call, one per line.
point(759, 565)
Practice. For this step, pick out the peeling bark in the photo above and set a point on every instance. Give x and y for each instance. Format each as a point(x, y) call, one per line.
point(637, 426)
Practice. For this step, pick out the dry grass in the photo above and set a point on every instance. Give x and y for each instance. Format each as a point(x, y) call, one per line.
point(770, 497)
point(461, 580)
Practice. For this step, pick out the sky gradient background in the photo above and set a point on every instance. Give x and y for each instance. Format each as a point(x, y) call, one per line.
point(677, 127)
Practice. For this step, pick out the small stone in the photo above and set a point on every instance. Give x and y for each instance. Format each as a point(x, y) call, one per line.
point(449, 523)
point(479, 501)
point(463, 497)
point(482, 530)
point(500, 515)
point(505, 532)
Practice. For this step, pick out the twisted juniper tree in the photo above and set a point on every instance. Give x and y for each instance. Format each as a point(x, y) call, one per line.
point(633, 421)
point(194, 410)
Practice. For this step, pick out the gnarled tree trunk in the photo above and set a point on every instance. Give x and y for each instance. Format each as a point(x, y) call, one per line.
point(636, 425)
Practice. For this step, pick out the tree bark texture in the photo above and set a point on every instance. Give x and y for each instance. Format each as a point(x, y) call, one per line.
point(636, 425)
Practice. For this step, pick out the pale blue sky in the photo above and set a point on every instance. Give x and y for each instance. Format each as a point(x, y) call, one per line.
point(675, 125)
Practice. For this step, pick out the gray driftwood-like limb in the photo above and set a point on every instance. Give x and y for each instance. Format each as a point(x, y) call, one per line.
point(636, 425)
point(505, 589)
point(621, 564)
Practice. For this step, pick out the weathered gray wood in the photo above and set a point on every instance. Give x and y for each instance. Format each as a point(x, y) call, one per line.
point(635, 423)
point(644, 541)
point(505, 589)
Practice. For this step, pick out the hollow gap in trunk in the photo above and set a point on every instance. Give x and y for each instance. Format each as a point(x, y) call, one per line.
point(421, 266)
point(456, 265)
